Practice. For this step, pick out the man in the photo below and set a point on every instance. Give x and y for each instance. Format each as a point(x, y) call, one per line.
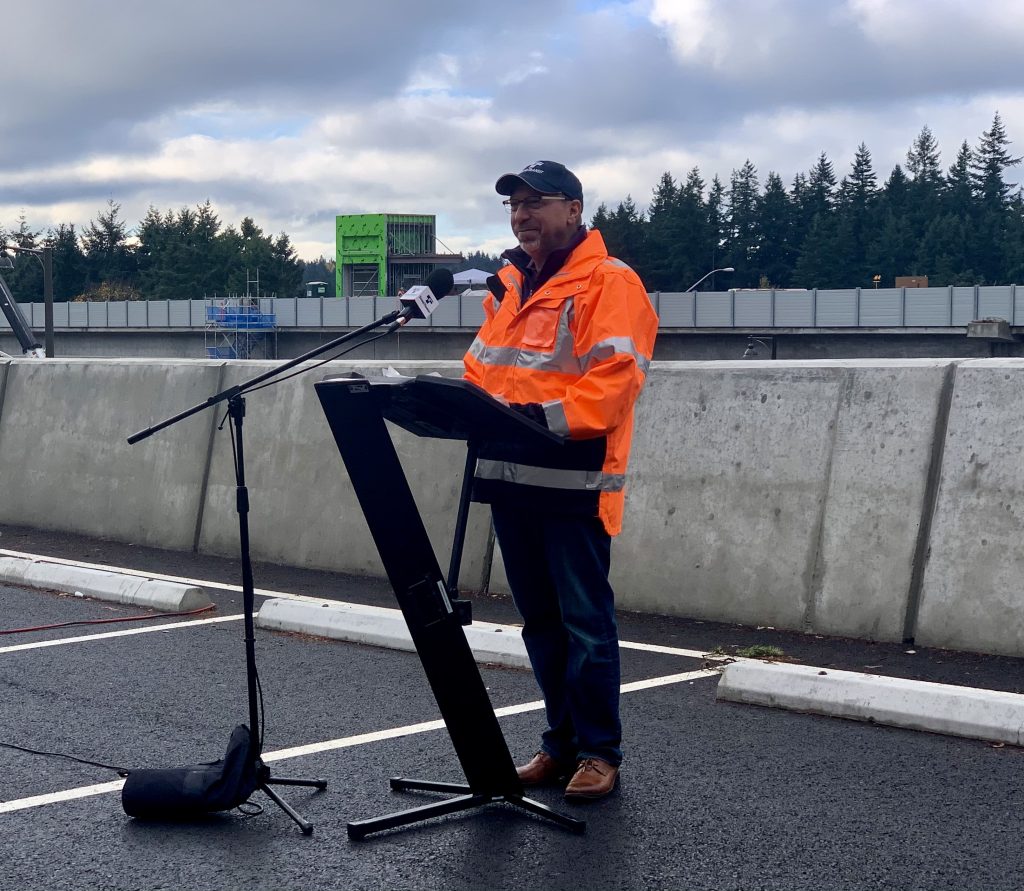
point(567, 340)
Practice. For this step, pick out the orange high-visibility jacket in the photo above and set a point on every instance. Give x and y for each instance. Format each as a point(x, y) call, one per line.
point(580, 347)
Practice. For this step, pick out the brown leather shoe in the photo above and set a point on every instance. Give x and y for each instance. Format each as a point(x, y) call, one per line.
point(541, 770)
point(594, 778)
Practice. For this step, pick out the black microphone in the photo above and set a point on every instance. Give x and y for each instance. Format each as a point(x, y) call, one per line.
point(421, 300)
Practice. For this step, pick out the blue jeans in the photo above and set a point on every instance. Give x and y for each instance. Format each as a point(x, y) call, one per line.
point(557, 567)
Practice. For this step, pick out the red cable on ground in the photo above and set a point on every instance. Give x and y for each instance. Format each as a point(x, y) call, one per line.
point(192, 612)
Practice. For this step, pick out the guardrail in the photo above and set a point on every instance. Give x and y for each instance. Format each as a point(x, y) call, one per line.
point(952, 307)
point(875, 499)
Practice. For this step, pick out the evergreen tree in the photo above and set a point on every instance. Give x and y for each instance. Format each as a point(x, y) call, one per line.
point(1013, 248)
point(323, 269)
point(250, 273)
point(943, 252)
point(26, 278)
point(664, 247)
point(819, 196)
point(774, 234)
point(210, 273)
point(716, 228)
point(990, 234)
point(698, 238)
point(69, 264)
point(858, 190)
point(923, 159)
point(958, 192)
point(286, 270)
point(153, 251)
point(600, 219)
point(857, 218)
point(110, 266)
point(990, 162)
point(924, 196)
point(175, 257)
point(816, 265)
point(227, 253)
point(624, 233)
point(896, 192)
point(814, 227)
point(474, 260)
point(799, 223)
point(741, 228)
point(893, 251)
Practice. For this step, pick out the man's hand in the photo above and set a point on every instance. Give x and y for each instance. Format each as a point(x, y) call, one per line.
point(532, 410)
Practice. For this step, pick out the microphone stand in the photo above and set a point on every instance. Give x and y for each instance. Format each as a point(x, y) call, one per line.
point(234, 396)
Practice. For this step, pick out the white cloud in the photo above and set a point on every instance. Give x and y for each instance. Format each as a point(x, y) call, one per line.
point(916, 26)
point(373, 106)
point(690, 27)
point(438, 72)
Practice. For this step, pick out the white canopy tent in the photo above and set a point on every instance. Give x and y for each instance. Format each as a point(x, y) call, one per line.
point(469, 277)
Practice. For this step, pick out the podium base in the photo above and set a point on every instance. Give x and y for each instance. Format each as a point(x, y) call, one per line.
point(465, 799)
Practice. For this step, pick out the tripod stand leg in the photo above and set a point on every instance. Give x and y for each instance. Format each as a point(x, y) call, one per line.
point(292, 781)
point(542, 810)
point(401, 784)
point(304, 825)
point(357, 829)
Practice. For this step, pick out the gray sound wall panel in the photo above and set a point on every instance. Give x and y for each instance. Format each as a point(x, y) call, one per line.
point(880, 308)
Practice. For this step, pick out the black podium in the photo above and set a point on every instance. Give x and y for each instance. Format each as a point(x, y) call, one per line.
point(356, 408)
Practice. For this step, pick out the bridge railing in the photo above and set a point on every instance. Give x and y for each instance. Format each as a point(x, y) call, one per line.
point(952, 307)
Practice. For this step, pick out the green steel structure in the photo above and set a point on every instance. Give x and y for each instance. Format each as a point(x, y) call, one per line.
point(379, 254)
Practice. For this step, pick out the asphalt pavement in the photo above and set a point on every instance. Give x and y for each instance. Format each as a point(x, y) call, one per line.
point(713, 795)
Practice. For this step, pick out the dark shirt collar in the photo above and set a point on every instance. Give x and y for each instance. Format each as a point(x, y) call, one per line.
point(533, 278)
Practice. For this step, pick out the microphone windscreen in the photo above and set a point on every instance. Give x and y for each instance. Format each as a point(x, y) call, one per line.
point(441, 282)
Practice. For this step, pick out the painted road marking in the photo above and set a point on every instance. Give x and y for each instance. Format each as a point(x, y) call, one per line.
point(169, 626)
point(125, 632)
point(283, 595)
point(360, 739)
point(657, 648)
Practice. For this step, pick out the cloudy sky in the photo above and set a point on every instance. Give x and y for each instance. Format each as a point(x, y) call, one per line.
point(294, 112)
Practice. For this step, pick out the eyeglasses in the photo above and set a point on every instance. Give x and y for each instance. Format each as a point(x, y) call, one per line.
point(534, 202)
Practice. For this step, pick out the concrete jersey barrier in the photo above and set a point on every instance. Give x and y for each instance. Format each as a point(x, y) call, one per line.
point(866, 498)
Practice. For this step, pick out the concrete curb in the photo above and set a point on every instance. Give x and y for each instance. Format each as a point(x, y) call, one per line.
point(377, 626)
point(127, 589)
point(989, 715)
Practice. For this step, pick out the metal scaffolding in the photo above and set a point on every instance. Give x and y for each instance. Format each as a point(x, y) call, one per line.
point(237, 329)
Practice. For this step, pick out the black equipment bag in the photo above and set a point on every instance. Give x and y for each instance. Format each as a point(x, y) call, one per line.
point(187, 792)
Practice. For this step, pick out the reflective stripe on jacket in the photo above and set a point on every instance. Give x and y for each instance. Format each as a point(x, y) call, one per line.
point(580, 347)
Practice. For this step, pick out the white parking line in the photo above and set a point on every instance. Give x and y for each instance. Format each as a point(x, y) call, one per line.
point(22, 804)
point(125, 632)
point(657, 648)
point(360, 739)
point(260, 592)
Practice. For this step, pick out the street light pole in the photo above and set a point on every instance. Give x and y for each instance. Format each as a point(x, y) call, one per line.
point(708, 275)
point(47, 259)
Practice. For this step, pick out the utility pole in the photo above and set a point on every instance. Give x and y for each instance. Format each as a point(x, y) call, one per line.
point(47, 259)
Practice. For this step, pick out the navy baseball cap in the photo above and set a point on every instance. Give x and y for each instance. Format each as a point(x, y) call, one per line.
point(547, 177)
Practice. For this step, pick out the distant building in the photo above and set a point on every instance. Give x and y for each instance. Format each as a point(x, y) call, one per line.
point(380, 254)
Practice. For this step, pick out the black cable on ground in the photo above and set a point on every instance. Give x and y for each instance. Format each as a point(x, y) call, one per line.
point(121, 770)
point(191, 612)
